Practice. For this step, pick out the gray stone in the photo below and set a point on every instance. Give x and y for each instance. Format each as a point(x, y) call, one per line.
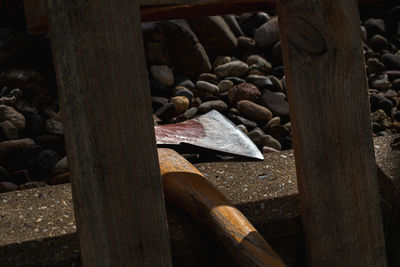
point(392, 62)
point(61, 166)
point(10, 114)
point(221, 60)
point(163, 74)
point(267, 149)
point(208, 77)
point(190, 113)
point(254, 112)
point(382, 83)
point(243, 128)
point(277, 86)
point(224, 86)
point(259, 63)
point(269, 141)
point(182, 91)
point(214, 34)
point(268, 33)
point(262, 82)
point(256, 136)
point(234, 68)
point(8, 130)
point(278, 131)
point(7, 187)
point(272, 122)
point(390, 93)
point(377, 42)
point(208, 87)
point(246, 43)
point(274, 103)
point(374, 66)
point(217, 105)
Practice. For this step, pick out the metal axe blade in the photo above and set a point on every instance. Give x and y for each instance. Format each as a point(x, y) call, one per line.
point(211, 131)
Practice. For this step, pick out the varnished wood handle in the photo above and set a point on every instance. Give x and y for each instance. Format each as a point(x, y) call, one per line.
point(185, 186)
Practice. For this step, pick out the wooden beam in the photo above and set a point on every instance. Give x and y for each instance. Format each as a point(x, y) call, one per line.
point(152, 10)
point(327, 91)
point(105, 101)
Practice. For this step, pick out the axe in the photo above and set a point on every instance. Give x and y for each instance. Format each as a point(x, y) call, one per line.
point(210, 132)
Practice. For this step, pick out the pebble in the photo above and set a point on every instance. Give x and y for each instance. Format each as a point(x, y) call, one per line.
point(272, 122)
point(217, 105)
point(221, 60)
point(163, 74)
point(7, 187)
point(246, 43)
point(184, 82)
point(243, 128)
point(381, 118)
point(61, 166)
point(268, 33)
point(10, 114)
point(278, 131)
point(269, 141)
point(258, 62)
point(243, 91)
point(377, 42)
point(250, 125)
point(277, 53)
point(374, 66)
point(235, 80)
point(390, 93)
point(254, 111)
point(234, 68)
point(382, 83)
point(274, 103)
point(262, 82)
point(208, 87)
point(250, 22)
point(256, 136)
point(374, 26)
point(8, 130)
point(224, 86)
point(393, 74)
point(208, 77)
point(391, 62)
point(166, 112)
point(182, 91)
point(277, 86)
point(181, 104)
point(13, 145)
point(190, 113)
point(396, 85)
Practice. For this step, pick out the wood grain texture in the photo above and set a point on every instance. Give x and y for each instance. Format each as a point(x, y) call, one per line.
point(327, 91)
point(186, 187)
point(152, 10)
point(105, 102)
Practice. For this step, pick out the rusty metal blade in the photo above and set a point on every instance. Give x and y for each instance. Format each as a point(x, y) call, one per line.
point(211, 131)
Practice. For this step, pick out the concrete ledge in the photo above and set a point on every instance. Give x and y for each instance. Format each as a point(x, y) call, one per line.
point(37, 226)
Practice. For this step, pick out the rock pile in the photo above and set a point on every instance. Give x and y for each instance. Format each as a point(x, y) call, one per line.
point(232, 64)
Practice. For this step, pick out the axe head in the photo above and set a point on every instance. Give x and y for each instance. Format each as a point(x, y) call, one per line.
point(212, 132)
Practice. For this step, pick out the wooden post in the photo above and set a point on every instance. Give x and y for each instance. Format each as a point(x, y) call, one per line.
point(327, 91)
point(104, 96)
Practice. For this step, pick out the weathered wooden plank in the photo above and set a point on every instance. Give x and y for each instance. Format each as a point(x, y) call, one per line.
point(105, 101)
point(324, 67)
point(152, 10)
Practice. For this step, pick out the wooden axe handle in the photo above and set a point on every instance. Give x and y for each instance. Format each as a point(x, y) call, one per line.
point(186, 187)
